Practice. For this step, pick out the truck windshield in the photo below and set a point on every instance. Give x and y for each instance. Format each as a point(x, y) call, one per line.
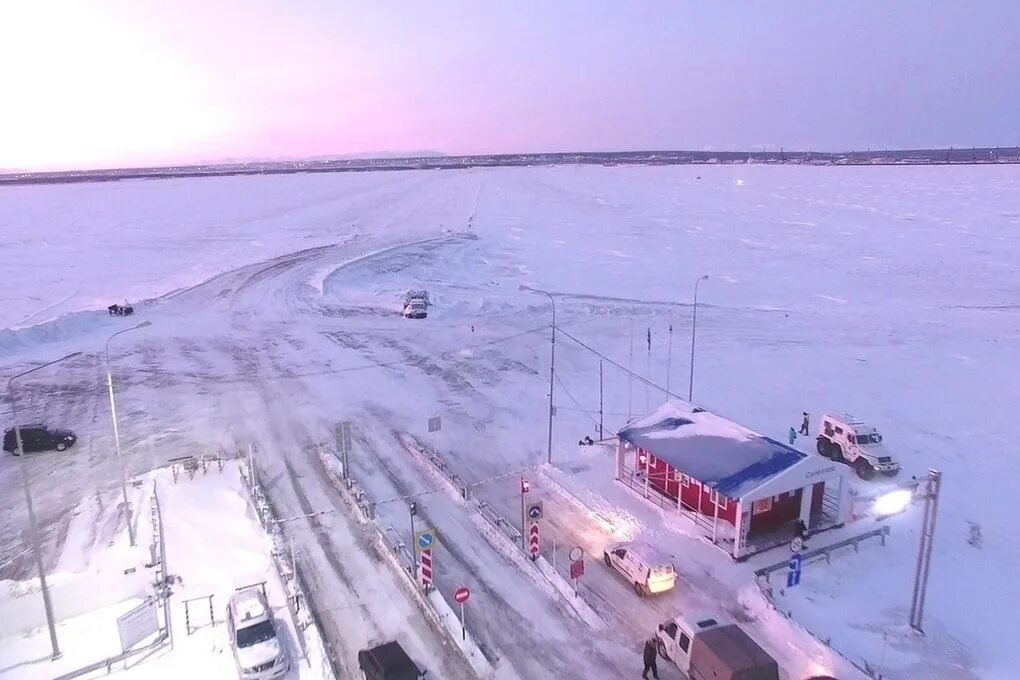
point(252, 635)
point(869, 438)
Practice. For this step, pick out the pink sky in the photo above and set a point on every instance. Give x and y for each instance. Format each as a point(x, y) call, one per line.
point(99, 83)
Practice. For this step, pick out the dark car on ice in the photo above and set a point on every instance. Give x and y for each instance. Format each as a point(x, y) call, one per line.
point(38, 438)
point(388, 662)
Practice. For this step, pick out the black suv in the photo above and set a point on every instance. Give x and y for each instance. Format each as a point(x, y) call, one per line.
point(38, 438)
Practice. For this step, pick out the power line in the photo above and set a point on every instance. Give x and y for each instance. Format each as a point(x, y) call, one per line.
point(629, 372)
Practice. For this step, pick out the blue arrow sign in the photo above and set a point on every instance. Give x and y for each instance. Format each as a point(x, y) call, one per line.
point(425, 540)
point(796, 560)
point(535, 511)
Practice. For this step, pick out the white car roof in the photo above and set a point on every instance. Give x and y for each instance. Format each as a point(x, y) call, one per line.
point(249, 605)
point(646, 551)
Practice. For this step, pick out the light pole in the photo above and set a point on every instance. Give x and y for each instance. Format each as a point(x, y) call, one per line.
point(116, 430)
point(694, 333)
point(552, 367)
point(932, 485)
point(33, 526)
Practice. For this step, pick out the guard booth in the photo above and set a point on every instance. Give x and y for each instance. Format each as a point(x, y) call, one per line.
point(744, 490)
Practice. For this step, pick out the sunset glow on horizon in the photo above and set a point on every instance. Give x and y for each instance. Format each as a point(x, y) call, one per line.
point(119, 83)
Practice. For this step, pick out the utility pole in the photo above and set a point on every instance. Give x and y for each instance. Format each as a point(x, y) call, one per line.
point(600, 400)
point(648, 374)
point(931, 500)
point(669, 357)
point(413, 510)
point(32, 524)
point(116, 431)
point(630, 374)
point(694, 334)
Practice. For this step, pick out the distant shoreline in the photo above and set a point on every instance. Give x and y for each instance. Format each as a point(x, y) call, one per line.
point(976, 156)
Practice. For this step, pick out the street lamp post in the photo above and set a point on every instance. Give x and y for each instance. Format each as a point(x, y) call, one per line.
point(116, 430)
point(33, 525)
point(552, 367)
point(694, 333)
point(932, 487)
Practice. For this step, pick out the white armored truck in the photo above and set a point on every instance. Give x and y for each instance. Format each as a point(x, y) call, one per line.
point(849, 440)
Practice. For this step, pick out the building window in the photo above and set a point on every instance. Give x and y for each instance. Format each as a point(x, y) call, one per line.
point(685, 481)
point(762, 505)
point(718, 499)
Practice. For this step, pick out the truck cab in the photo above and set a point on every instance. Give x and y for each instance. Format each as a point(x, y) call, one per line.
point(676, 637)
point(705, 648)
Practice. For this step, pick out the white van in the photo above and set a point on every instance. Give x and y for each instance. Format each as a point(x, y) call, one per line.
point(642, 565)
point(257, 649)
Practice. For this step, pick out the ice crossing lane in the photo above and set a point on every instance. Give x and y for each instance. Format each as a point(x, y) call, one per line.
point(514, 613)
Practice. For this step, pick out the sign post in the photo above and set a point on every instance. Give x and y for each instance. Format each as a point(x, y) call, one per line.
point(793, 575)
point(534, 513)
point(576, 565)
point(525, 488)
point(424, 542)
point(461, 596)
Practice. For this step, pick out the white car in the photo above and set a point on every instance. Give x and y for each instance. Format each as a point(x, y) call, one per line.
point(258, 653)
point(643, 566)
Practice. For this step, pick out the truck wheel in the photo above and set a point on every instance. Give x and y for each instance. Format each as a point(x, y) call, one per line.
point(662, 650)
point(864, 469)
point(823, 447)
point(605, 556)
point(836, 453)
point(638, 589)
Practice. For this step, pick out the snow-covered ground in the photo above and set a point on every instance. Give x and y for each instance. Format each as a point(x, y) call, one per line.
point(213, 545)
point(887, 292)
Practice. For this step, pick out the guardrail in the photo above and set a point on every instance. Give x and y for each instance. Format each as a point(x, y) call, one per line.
point(762, 580)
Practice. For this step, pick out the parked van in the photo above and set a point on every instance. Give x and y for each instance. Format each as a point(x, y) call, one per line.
point(643, 566)
point(257, 649)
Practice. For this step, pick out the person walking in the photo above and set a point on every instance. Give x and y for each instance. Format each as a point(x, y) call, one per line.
point(650, 656)
point(793, 435)
point(804, 424)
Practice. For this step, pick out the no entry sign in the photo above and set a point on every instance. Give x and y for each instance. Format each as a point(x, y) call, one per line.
point(461, 595)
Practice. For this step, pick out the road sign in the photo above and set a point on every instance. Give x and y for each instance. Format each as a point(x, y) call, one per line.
point(435, 423)
point(533, 540)
point(525, 485)
point(425, 538)
point(793, 575)
point(797, 544)
point(576, 553)
point(426, 567)
point(535, 511)
point(461, 595)
point(576, 569)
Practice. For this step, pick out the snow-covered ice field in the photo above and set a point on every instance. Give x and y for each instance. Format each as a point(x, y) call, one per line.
point(892, 293)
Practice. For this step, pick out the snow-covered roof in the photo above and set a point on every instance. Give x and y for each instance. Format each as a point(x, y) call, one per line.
point(725, 456)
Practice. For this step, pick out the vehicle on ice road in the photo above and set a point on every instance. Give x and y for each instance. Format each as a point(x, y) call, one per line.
point(258, 653)
point(642, 565)
point(38, 438)
point(388, 661)
point(416, 304)
point(703, 648)
point(848, 440)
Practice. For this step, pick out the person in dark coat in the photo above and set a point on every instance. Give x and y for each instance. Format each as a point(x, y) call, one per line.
point(650, 657)
point(804, 424)
point(802, 532)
